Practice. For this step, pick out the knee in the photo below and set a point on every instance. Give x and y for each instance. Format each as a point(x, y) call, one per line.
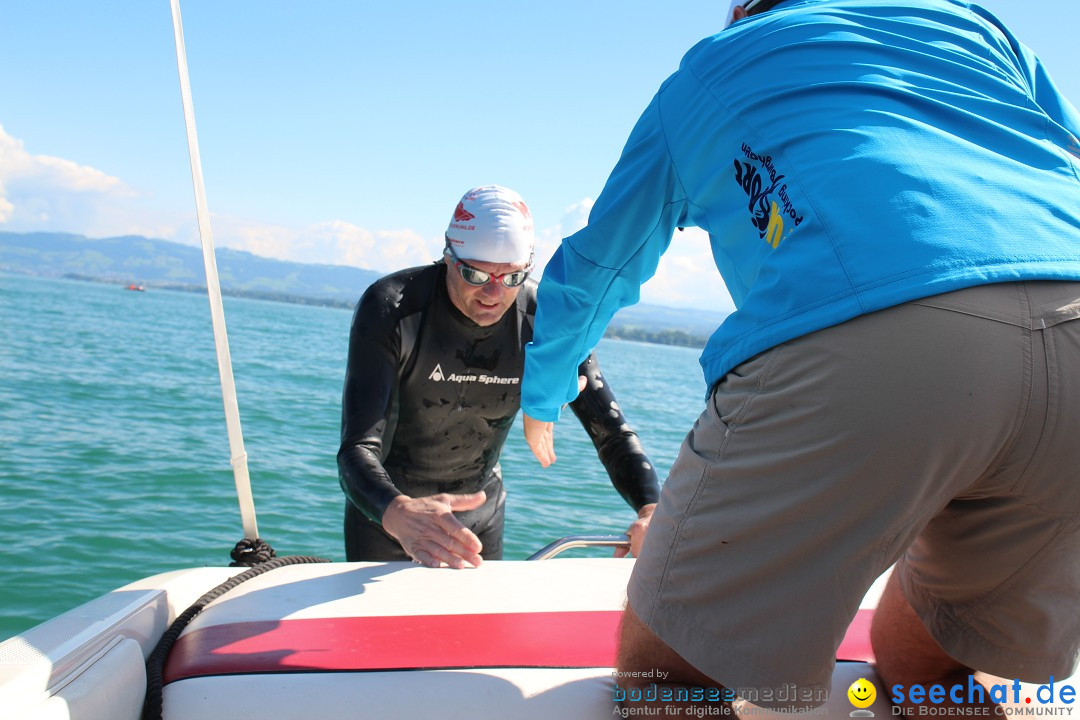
point(642, 651)
point(904, 650)
point(638, 644)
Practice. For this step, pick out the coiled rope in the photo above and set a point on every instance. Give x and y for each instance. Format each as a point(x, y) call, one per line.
point(249, 553)
point(155, 664)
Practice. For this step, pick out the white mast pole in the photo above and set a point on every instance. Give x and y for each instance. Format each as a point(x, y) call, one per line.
point(213, 287)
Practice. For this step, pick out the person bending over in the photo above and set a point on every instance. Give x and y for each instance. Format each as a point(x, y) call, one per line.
point(432, 387)
point(891, 190)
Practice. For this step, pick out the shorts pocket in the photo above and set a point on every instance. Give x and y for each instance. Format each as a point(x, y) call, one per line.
point(730, 397)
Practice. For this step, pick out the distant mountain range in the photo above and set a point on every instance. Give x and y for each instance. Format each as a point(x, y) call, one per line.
point(161, 263)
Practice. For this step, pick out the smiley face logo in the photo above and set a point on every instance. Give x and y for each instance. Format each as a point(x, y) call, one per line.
point(862, 693)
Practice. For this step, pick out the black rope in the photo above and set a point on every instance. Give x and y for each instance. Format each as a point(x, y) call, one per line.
point(155, 664)
point(249, 553)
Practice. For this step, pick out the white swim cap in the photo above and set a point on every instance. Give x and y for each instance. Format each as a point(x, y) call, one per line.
point(492, 224)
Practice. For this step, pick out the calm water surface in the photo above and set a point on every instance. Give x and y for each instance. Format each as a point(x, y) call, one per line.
point(114, 458)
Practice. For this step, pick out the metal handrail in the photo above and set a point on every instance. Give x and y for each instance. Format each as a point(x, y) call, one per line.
point(579, 541)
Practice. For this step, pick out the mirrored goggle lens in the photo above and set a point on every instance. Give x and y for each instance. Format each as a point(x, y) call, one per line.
point(479, 277)
point(515, 278)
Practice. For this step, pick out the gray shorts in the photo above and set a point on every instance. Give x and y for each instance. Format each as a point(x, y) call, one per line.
point(942, 435)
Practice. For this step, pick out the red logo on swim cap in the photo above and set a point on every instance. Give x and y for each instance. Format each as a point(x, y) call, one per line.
point(461, 214)
point(523, 209)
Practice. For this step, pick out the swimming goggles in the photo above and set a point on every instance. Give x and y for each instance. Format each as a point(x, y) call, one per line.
point(479, 278)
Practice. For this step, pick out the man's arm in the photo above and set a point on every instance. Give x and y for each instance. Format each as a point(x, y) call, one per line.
point(600, 269)
point(426, 526)
point(618, 447)
point(1057, 107)
point(371, 377)
point(1044, 92)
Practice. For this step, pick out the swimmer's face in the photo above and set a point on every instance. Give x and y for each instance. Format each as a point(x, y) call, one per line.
point(862, 693)
point(484, 305)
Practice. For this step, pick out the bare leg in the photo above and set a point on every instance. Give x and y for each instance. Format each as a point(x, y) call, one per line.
point(906, 654)
point(647, 664)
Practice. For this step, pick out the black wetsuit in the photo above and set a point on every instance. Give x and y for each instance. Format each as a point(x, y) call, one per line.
point(429, 399)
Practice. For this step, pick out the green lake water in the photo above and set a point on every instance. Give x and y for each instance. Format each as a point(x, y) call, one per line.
point(114, 458)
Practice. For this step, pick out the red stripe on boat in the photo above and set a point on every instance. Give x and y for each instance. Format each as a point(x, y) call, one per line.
point(409, 642)
point(554, 639)
point(856, 644)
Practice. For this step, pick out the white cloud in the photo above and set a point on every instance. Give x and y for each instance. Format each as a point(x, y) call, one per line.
point(19, 167)
point(44, 192)
point(573, 219)
point(334, 242)
point(686, 275)
point(40, 192)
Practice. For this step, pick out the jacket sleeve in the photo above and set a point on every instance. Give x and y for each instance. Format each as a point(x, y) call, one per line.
point(600, 269)
point(371, 378)
point(630, 469)
point(1065, 119)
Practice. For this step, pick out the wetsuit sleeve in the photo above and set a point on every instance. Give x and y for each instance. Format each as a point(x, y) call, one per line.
point(630, 469)
point(370, 384)
point(600, 269)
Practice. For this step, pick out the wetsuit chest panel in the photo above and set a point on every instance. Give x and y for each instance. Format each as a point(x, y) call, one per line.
point(457, 398)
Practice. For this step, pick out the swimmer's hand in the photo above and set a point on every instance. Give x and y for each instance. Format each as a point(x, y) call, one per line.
point(429, 532)
point(541, 435)
point(541, 438)
point(637, 532)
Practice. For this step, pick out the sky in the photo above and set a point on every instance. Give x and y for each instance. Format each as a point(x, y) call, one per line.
point(345, 132)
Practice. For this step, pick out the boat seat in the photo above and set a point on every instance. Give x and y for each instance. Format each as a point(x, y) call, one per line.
point(510, 639)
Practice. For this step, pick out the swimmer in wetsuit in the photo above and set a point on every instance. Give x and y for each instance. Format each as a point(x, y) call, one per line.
point(433, 385)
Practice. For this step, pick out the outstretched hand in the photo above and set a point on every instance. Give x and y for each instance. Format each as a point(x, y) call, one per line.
point(541, 438)
point(637, 532)
point(540, 435)
point(429, 532)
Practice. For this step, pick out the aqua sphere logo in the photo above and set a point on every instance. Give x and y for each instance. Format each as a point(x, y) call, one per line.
point(1011, 699)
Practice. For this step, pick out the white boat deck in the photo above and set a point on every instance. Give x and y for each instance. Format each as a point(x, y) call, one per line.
point(507, 640)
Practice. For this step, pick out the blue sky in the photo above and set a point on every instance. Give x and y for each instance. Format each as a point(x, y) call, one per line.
point(345, 132)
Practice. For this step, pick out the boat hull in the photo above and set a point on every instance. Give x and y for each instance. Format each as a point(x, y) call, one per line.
point(381, 640)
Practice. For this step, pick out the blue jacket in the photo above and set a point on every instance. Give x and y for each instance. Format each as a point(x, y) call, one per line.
point(844, 156)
